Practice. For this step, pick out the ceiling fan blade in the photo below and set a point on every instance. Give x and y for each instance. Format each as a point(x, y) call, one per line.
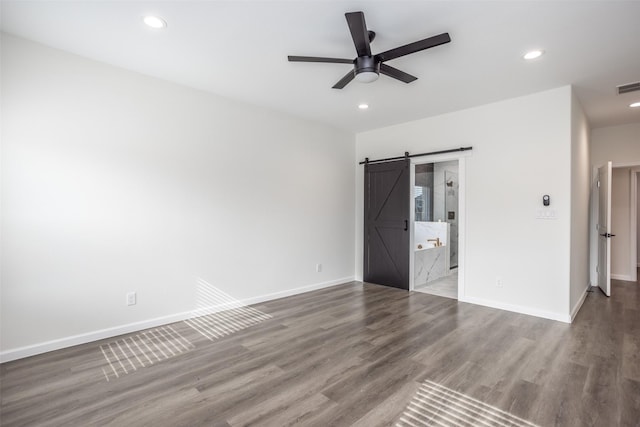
point(319, 59)
point(396, 74)
point(414, 47)
point(359, 32)
point(345, 80)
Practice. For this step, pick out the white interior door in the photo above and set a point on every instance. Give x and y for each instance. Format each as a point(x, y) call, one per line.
point(604, 228)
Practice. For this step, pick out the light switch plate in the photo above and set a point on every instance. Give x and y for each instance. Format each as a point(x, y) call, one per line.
point(546, 213)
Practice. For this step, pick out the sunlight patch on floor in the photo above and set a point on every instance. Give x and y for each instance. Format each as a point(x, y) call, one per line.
point(145, 348)
point(218, 314)
point(436, 405)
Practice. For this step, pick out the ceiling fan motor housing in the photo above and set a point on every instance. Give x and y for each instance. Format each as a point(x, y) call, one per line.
point(366, 64)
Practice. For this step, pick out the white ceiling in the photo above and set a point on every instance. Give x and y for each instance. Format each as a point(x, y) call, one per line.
point(239, 49)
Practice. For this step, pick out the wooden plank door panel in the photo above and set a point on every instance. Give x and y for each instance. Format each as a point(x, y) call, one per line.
point(386, 223)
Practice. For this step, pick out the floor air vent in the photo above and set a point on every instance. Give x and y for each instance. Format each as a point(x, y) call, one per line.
point(631, 87)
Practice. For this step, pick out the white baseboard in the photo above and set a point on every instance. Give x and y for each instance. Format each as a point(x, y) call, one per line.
point(624, 277)
point(566, 318)
point(44, 347)
point(57, 344)
point(296, 291)
point(578, 305)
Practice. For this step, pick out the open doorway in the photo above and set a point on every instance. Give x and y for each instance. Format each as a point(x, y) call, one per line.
point(390, 199)
point(621, 255)
point(624, 258)
point(436, 227)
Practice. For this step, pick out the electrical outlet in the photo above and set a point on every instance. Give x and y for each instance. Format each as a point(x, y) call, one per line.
point(131, 298)
point(499, 282)
point(318, 268)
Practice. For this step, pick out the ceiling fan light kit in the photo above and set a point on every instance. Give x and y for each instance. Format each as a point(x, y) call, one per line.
point(367, 67)
point(367, 76)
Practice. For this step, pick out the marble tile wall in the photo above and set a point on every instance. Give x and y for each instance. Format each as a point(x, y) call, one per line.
point(425, 230)
point(440, 188)
point(445, 200)
point(430, 264)
point(433, 262)
point(451, 206)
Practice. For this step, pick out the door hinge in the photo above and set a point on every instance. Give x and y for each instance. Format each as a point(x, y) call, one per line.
point(597, 269)
point(598, 184)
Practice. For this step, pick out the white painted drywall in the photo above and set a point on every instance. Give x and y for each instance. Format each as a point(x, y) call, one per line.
point(521, 151)
point(620, 144)
point(115, 182)
point(620, 223)
point(580, 192)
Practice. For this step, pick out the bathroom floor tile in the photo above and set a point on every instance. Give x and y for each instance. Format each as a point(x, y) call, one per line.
point(444, 287)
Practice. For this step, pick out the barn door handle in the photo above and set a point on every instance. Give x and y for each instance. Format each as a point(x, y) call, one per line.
point(406, 225)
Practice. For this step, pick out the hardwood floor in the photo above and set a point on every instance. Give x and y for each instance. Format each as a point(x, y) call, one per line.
point(355, 354)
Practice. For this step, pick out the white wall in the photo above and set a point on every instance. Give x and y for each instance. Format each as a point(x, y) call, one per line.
point(580, 192)
point(115, 182)
point(620, 144)
point(521, 151)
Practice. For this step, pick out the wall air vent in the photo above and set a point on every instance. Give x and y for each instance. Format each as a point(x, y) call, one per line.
point(631, 87)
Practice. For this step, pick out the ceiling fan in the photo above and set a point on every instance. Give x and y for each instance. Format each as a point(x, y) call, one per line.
point(367, 67)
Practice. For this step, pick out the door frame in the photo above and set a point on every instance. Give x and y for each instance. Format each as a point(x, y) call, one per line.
point(633, 226)
point(462, 213)
point(633, 214)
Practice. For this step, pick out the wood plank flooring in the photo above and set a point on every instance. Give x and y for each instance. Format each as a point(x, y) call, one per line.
point(355, 354)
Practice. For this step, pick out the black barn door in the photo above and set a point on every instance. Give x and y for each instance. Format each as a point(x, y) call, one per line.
point(386, 223)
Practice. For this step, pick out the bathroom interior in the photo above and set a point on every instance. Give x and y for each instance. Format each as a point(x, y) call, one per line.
point(436, 229)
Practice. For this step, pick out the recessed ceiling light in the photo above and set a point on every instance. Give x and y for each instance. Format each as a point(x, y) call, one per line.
point(634, 105)
point(533, 54)
point(155, 22)
point(363, 106)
